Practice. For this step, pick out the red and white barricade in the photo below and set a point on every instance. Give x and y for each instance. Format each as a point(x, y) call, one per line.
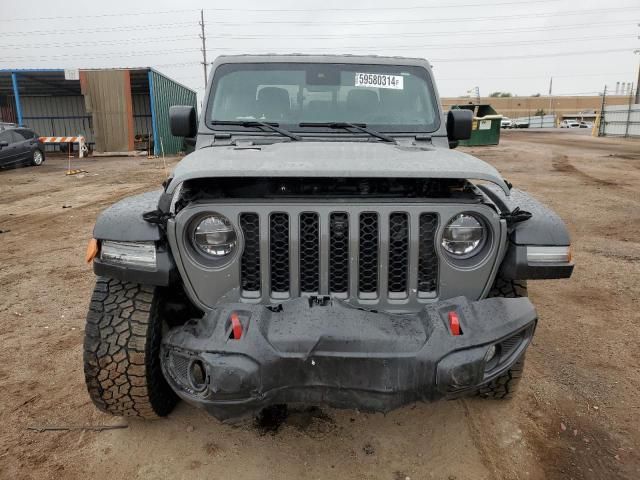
point(82, 147)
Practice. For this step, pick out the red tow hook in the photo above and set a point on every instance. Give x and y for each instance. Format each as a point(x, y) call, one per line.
point(454, 324)
point(236, 332)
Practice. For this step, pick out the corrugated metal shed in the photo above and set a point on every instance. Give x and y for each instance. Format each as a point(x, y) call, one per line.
point(107, 96)
point(53, 104)
point(60, 115)
point(165, 93)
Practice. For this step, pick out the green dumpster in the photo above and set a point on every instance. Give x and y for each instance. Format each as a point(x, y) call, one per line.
point(486, 125)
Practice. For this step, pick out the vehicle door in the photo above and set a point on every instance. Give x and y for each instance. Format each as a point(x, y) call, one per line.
point(9, 141)
point(24, 139)
point(28, 141)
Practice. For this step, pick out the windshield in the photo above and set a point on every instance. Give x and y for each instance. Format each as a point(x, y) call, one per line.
point(384, 97)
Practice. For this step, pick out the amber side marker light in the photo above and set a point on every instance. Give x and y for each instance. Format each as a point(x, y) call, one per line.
point(92, 250)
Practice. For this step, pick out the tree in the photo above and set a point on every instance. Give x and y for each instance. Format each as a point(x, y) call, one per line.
point(500, 94)
point(539, 113)
point(536, 95)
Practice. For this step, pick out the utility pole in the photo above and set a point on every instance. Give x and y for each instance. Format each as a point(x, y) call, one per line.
point(550, 95)
point(204, 47)
point(602, 126)
point(626, 131)
point(637, 99)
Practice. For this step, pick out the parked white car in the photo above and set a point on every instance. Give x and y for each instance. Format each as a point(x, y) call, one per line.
point(506, 122)
point(569, 124)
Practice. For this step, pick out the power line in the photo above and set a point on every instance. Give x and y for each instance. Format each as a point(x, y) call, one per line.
point(443, 60)
point(474, 59)
point(306, 22)
point(421, 46)
point(19, 46)
point(324, 36)
point(99, 56)
point(281, 10)
point(422, 34)
point(100, 15)
point(112, 54)
point(76, 31)
point(451, 46)
point(369, 8)
point(427, 20)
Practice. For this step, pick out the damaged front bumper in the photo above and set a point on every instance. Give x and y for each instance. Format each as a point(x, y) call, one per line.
point(240, 358)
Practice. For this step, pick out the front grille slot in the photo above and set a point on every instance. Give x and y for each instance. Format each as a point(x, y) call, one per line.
point(250, 262)
point(279, 252)
point(398, 252)
point(368, 253)
point(309, 252)
point(338, 252)
point(427, 257)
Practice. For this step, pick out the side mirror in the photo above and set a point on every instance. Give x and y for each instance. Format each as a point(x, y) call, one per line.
point(459, 124)
point(183, 122)
point(4, 143)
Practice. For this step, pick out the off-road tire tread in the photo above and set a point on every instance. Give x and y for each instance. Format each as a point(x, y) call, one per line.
point(508, 288)
point(504, 386)
point(121, 351)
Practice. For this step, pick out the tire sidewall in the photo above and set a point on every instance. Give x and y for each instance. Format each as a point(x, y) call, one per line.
point(37, 157)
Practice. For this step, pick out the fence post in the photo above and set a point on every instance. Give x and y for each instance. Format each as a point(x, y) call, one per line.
point(601, 127)
point(626, 130)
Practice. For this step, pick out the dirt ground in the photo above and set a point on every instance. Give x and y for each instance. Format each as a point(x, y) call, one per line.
point(577, 415)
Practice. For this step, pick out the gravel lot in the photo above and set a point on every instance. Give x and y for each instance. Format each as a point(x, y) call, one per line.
point(577, 414)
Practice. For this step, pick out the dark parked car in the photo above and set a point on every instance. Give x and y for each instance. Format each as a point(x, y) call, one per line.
point(20, 146)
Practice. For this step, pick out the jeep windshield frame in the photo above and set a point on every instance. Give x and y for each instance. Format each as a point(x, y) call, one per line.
point(294, 93)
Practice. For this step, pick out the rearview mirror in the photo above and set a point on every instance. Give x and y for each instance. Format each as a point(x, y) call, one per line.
point(459, 123)
point(4, 143)
point(183, 122)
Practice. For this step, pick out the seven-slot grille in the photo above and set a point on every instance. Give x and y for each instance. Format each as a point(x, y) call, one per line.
point(363, 254)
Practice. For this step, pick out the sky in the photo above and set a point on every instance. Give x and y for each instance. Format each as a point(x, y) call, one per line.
point(496, 45)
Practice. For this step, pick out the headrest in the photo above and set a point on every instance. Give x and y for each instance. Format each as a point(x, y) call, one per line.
point(273, 103)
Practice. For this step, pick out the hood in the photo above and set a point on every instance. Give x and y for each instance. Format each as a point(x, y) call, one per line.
point(333, 159)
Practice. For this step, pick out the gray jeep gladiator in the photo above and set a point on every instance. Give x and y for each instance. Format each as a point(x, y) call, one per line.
point(323, 245)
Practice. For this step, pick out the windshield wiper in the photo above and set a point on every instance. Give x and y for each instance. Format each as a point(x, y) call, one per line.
point(346, 125)
point(255, 123)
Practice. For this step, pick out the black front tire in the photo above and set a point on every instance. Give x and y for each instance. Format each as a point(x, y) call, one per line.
point(122, 351)
point(505, 386)
point(508, 288)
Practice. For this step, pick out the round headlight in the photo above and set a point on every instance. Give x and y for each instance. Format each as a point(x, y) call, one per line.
point(463, 236)
point(215, 236)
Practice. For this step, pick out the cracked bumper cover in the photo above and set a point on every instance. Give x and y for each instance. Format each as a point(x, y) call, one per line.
point(324, 352)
